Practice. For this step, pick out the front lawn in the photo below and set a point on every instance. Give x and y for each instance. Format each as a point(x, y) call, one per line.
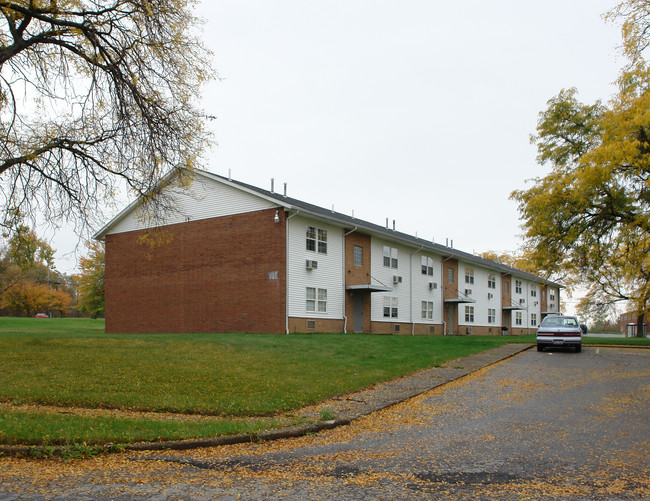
point(246, 382)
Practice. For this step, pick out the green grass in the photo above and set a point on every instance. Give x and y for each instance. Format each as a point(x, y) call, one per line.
point(72, 362)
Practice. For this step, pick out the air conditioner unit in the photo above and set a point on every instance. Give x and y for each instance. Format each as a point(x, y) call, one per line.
point(468, 292)
point(397, 280)
point(468, 330)
point(311, 265)
point(535, 303)
point(490, 295)
point(433, 285)
point(522, 301)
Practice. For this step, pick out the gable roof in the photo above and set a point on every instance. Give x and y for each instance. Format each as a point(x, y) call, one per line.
point(349, 222)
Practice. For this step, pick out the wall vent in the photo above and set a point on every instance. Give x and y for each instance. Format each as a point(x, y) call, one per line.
point(396, 328)
point(311, 325)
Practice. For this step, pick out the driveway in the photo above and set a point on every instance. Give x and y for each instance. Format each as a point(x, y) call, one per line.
point(539, 425)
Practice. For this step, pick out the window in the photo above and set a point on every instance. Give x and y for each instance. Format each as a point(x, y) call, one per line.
point(533, 319)
point(492, 315)
point(427, 266)
point(390, 257)
point(551, 295)
point(450, 275)
point(533, 292)
point(322, 300)
point(358, 255)
point(518, 286)
point(506, 285)
point(311, 299)
point(492, 281)
point(469, 313)
point(313, 303)
point(390, 307)
point(469, 275)
point(427, 310)
point(552, 306)
point(518, 318)
point(316, 239)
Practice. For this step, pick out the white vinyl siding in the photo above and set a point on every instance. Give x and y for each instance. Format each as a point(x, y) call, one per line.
point(486, 291)
point(326, 279)
point(398, 256)
point(423, 292)
point(202, 199)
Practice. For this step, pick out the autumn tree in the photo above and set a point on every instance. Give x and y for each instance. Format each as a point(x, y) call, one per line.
point(589, 217)
point(95, 95)
point(91, 280)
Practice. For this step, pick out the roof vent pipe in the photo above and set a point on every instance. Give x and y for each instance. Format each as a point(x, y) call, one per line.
point(393, 225)
point(285, 189)
point(386, 223)
point(272, 185)
point(229, 176)
point(446, 242)
point(452, 243)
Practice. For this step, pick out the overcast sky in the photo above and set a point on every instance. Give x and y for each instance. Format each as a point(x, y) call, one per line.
point(419, 111)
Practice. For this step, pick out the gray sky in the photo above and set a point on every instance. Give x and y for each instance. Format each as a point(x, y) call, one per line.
point(412, 110)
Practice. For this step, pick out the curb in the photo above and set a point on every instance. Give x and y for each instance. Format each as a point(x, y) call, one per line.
point(349, 407)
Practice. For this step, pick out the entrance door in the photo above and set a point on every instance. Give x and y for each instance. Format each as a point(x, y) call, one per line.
point(358, 313)
point(451, 320)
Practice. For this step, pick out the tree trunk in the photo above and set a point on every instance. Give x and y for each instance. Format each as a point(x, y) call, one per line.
point(640, 325)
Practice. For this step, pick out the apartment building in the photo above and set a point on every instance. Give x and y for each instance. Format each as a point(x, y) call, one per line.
point(238, 258)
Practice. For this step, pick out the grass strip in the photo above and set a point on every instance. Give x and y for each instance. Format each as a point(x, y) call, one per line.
point(42, 428)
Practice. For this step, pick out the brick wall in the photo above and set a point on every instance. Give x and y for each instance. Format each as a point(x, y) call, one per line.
point(211, 276)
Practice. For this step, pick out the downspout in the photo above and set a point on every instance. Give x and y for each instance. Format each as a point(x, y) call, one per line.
point(411, 287)
point(345, 318)
point(286, 287)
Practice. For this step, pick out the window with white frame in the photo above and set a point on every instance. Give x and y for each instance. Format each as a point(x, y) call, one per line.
point(316, 239)
point(390, 257)
point(506, 286)
point(316, 299)
point(518, 288)
point(390, 307)
point(518, 318)
point(551, 295)
point(469, 314)
point(533, 319)
point(322, 300)
point(492, 281)
point(533, 291)
point(427, 265)
point(469, 275)
point(427, 310)
point(311, 299)
point(358, 255)
point(450, 275)
point(492, 315)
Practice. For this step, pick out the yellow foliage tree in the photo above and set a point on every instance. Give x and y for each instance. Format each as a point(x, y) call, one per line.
point(589, 217)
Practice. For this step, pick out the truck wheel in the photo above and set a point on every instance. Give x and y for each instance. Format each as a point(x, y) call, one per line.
point(540, 347)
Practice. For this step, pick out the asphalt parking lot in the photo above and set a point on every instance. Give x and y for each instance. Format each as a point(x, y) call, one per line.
point(549, 425)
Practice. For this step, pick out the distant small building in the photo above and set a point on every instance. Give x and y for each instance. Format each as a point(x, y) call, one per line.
point(632, 317)
point(244, 259)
